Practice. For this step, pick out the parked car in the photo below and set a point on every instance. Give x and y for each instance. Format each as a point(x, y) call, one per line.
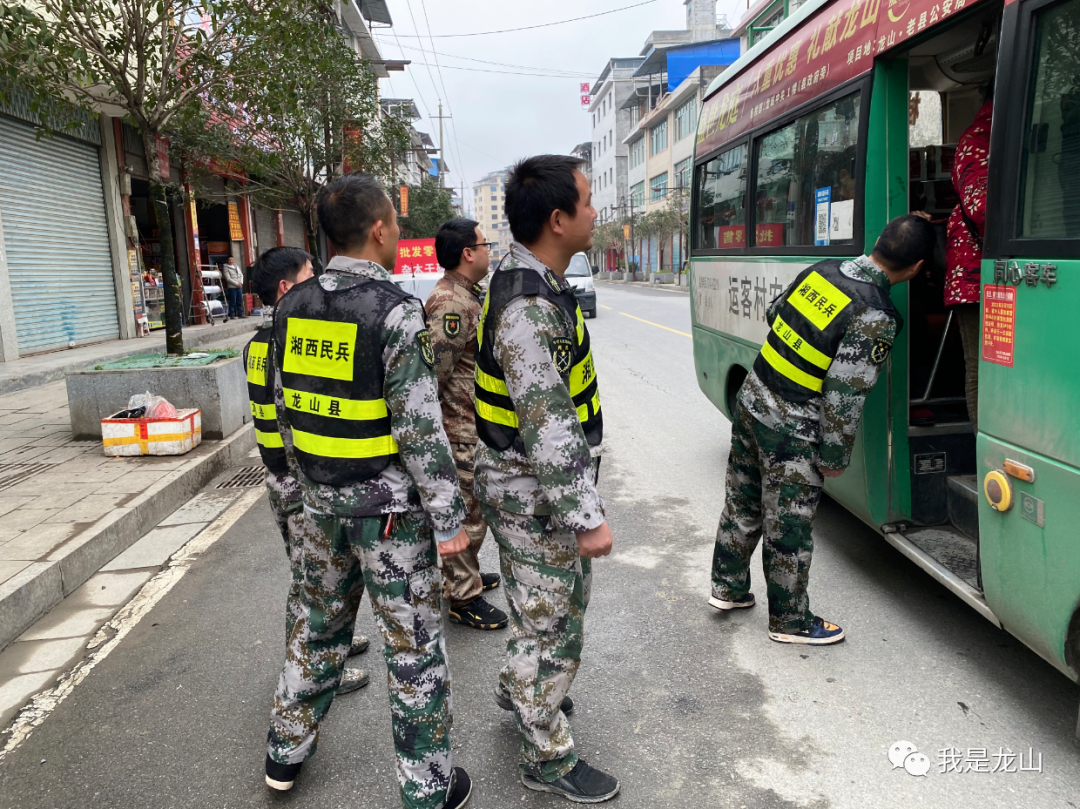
point(418, 284)
point(580, 276)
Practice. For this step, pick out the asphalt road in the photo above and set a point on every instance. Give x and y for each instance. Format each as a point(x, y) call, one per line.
point(688, 707)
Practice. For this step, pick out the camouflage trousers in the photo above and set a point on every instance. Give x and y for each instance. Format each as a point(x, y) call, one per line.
point(547, 589)
point(462, 571)
point(773, 489)
point(283, 491)
point(342, 556)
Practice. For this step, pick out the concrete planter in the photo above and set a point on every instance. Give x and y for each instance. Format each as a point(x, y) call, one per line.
point(661, 278)
point(639, 276)
point(218, 389)
point(684, 279)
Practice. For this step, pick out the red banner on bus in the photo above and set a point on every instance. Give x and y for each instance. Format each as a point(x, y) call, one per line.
point(416, 255)
point(835, 45)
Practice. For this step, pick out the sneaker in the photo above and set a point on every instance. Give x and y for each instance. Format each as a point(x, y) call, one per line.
point(735, 604)
point(820, 633)
point(358, 646)
point(583, 784)
point(503, 701)
point(489, 581)
point(479, 615)
point(352, 680)
point(280, 777)
point(460, 789)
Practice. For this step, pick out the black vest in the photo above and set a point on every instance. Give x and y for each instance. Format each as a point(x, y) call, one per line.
point(258, 362)
point(809, 326)
point(496, 421)
point(328, 348)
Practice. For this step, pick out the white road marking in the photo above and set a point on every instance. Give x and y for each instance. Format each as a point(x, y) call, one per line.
point(110, 635)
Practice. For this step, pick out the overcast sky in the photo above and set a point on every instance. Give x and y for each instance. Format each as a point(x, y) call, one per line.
point(498, 116)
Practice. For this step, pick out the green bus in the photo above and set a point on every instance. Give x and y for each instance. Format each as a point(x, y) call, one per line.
point(844, 117)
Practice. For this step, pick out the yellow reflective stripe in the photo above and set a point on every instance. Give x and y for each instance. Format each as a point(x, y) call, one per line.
point(491, 383)
point(261, 411)
point(797, 343)
point(785, 368)
point(319, 348)
point(256, 363)
point(335, 407)
point(582, 375)
point(326, 447)
point(583, 410)
point(496, 415)
point(817, 300)
point(269, 440)
point(580, 325)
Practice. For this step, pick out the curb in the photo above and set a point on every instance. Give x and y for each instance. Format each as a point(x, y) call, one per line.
point(34, 591)
point(647, 285)
point(35, 379)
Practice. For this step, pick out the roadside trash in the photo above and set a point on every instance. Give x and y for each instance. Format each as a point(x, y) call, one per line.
point(154, 407)
point(151, 425)
point(197, 355)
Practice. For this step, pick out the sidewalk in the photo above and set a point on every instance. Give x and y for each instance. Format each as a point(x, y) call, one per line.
point(67, 509)
point(663, 287)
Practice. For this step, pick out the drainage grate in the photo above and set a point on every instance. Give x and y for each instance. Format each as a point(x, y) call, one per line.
point(245, 477)
point(14, 473)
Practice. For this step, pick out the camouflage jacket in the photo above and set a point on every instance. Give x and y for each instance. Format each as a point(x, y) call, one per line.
point(832, 418)
point(453, 310)
point(556, 475)
point(423, 476)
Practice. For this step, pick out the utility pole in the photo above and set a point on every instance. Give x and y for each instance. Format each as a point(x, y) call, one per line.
point(442, 150)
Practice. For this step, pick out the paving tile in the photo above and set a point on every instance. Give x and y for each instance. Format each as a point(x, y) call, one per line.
point(154, 549)
point(11, 503)
point(17, 417)
point(64, 622)
point(22, 519)
point(95, 474)
point(15, 692)
point(9, 569)
point(91, 508)
point(39, 541)
point(10, 443)
point(108, 589)
point(36, 493)
point(28, 657)
point(134, 482)
point(204, 507)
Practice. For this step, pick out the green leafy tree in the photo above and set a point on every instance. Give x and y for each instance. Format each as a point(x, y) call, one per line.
point(429, 207)
point(162, 65)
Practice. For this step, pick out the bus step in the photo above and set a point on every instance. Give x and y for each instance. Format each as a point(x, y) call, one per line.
point(963, 496)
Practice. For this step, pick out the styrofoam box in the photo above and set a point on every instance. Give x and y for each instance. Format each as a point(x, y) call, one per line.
point(174, 436)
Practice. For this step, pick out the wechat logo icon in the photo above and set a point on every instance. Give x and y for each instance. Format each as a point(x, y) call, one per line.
point(906, 755)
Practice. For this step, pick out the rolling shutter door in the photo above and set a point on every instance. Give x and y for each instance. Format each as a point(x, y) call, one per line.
point(59, 262)
point(295, 235)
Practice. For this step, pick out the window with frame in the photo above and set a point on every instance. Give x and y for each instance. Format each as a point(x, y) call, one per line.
point(637, 194)
point(658, 137)
point(1050, 166)
point(635, 115)
point(658, 187)
point(720, 201)
point(682, 173)
point(807, 173)
point(637, 152)
point(685, 119)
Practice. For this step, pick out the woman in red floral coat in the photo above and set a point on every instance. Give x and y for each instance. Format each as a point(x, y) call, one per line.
point(963, 252)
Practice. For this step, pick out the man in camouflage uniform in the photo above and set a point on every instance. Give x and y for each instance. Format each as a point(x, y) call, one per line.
point(365, 496)
point(274, 274)
point(795, 420)
point(453, 310)
point(539, 425)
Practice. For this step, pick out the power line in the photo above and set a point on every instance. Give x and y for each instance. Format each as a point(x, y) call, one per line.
point(573, 74)
point(502, 72)
point(530, 27)
point(446, 94)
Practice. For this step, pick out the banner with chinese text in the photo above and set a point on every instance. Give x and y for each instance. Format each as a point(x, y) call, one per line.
point(416, 255)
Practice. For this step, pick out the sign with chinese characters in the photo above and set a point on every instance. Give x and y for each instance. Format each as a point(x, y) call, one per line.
point(404, 190)
point(999, 324)
point(586, 95)
point(733, 297)
point(835, 45)
point(416, 255)
point(236, 233)
point(822, 197)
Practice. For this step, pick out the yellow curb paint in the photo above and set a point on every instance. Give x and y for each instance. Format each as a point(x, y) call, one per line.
point(665, 328)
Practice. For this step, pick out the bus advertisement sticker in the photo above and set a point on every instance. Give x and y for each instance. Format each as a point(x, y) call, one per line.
point(1032, 509)
point(999, 324)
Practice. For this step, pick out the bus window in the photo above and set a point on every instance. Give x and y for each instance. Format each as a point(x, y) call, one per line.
point(1049, 204)
point(720, 212)
point(806, 179)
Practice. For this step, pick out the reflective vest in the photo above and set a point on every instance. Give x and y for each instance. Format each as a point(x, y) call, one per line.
point(328, 348)
point(258, 362)
point(496, 421)
point(809, 326)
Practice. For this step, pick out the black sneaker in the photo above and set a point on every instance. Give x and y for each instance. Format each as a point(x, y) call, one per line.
point(280, 777)
point(820, 633)
point(583, 784)
point(479, 615)
point(359, 645)
point(489, 581)
point(734, 604)
point(503, 701)
point(460, 790)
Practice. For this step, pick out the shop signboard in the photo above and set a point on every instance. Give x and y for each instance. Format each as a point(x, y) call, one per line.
point(236, 232)
point(416, 255)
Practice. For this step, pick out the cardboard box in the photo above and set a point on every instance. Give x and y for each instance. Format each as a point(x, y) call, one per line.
point(175, 436)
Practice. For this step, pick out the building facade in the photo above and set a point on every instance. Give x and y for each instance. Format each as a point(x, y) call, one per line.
point(489, 209)
point(610, 125)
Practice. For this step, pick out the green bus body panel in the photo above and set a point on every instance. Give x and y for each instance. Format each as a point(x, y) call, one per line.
point(1031, 575)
